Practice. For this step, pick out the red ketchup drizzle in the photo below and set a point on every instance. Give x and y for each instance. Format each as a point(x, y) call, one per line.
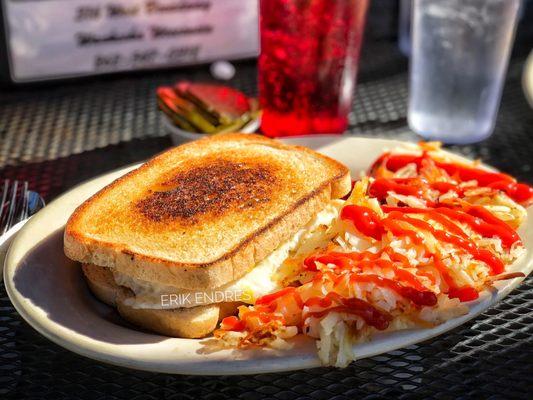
point(370, 224)
point(370, 314)
point(396, 229)
point(464, 293)
point(265, 306)
point(263, 313)
point(414, 291)
point(395, 162)
point(421, 298)
point(495, 264)
point(358, 261)
point(485, 223)
point(478, 218)
point(519, 192)
point(364, 219)
point(381, 187)
point(342, 260)
point(233, 324)
point(269, 298)
point(445, 187)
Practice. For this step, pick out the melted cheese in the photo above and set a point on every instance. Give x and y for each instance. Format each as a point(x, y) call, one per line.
point(256, 283)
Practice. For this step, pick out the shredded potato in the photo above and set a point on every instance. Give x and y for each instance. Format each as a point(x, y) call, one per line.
point(411, 256)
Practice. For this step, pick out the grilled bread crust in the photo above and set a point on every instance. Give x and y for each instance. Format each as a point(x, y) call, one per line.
point(194, 322)
point(100, 281)
point(205, 213)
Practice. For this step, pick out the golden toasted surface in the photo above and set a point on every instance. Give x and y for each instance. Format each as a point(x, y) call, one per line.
point(202, 214)
point(209, 190)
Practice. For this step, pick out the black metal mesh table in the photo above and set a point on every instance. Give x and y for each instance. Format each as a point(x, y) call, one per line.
point(56, 137)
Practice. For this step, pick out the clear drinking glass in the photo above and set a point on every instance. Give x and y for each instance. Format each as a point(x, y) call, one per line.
point(460, 52)
point(308, 64)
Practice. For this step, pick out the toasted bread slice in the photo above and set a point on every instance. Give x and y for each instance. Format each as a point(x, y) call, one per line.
point(195, 322)
point(192, 322)
point(203, 214)
point(101, 283)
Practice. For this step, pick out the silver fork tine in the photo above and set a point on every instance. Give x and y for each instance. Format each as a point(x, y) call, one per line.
point(16, 207)
point(12, 207)
point(3, 213)
point(23, 201)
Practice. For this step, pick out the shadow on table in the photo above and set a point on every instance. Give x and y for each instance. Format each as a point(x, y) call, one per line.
point(55, 287)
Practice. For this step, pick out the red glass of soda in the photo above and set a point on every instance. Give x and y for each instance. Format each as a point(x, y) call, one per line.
point(308, 64)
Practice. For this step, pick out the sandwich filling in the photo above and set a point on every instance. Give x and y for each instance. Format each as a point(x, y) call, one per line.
point(264, 278)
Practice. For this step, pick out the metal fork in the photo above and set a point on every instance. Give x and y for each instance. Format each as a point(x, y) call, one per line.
point(17, 203)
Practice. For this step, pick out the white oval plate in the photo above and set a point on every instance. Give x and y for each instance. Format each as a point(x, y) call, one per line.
point(49, 292)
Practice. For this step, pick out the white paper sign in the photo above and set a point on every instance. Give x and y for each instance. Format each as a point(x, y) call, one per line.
point(64, 38)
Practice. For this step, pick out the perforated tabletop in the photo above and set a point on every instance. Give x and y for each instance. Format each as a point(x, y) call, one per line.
point(58, 136)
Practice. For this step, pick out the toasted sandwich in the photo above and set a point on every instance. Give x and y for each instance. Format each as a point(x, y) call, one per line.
point(177, 244)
